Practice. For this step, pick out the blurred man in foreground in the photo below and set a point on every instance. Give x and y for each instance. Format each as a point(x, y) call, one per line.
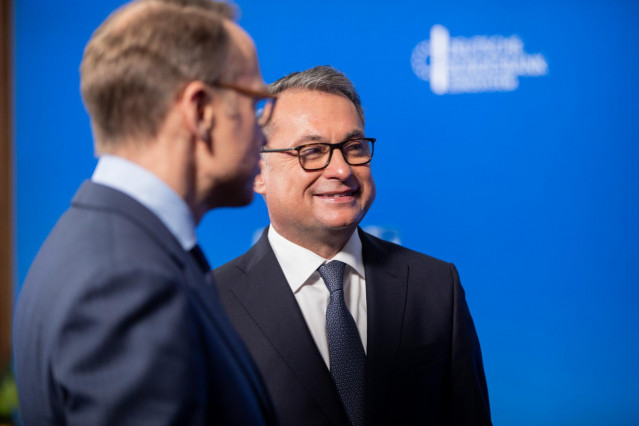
point(346, 328)
point(116, 322)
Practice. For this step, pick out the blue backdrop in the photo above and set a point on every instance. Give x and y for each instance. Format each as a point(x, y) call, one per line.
point(507, 144)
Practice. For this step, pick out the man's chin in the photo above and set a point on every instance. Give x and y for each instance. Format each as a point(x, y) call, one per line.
point(340, 226)
point(335, 220)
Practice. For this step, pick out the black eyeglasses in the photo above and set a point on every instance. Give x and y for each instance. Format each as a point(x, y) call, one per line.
point(264, 101)
point(317, 156)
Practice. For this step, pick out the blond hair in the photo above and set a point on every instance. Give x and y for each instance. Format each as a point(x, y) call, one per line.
point(141, 57)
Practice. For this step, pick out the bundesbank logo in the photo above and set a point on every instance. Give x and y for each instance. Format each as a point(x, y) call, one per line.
point(476, 64)
point(388, 234)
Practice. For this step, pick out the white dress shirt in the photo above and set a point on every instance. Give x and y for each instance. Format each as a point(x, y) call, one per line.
point(300, 269)
point(150, 191)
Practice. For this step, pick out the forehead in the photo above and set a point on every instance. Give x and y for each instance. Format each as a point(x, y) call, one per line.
point(313, 115)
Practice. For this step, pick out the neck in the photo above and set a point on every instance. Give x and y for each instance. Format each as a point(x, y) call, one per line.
point(167, 163)
point(326, 245)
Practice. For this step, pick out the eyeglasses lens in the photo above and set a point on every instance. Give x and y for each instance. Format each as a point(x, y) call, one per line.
point(355, 152)
point(263, 111)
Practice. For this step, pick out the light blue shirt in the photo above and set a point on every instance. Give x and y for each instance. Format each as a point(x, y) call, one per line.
point(150, 191)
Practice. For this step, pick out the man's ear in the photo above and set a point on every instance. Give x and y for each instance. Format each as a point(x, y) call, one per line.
point(199, 106)
point(258, 184)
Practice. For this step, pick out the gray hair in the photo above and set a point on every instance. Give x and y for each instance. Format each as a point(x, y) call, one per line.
point(221, 8)
point(323, 78)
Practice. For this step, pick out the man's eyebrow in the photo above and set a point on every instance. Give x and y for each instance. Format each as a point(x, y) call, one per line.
point(309, 138)
point(357, 133)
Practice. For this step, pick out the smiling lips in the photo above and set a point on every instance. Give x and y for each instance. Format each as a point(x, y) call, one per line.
point(338, 194)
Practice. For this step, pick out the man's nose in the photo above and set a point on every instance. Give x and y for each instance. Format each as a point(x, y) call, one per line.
point(338, 167)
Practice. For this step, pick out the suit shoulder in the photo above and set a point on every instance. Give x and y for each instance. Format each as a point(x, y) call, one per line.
point(228, 273)
point(408, 255)
point(99, 238)
point(232, 271)
point(87, 250)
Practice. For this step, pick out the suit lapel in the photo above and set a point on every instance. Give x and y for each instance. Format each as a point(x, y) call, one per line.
point(386, 287)
point(207, 295)
point(92, 195)
point(267, 297)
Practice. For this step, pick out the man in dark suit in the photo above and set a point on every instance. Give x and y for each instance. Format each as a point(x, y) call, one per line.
point(346, 328)
point(116, 322)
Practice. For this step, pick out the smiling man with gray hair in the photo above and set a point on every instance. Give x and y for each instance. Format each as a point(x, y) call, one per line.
point(346, 328)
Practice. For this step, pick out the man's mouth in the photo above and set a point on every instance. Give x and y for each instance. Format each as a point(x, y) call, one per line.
point(339, 194)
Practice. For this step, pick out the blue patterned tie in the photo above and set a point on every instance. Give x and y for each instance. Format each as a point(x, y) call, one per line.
point(347, 356)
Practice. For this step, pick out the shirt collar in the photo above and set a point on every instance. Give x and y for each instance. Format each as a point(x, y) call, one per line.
point(298, 263)
point(150, 191)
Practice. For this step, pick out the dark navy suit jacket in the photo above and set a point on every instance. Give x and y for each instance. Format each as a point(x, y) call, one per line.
point(117, 325)
point(424, 363)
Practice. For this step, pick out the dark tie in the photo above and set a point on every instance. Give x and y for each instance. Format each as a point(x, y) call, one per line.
point(200, 258)
point(347, 356)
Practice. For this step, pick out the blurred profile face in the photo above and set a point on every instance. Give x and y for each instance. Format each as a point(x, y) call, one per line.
point(307, 206)
point(237, 137)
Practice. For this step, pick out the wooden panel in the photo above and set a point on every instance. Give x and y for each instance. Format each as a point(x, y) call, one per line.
point(6, 182)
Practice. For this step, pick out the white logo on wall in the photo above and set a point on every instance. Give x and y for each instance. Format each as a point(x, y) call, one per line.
point(476, 64)
point(388, 234)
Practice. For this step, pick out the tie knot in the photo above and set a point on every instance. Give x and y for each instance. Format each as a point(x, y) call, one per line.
point(333, 275)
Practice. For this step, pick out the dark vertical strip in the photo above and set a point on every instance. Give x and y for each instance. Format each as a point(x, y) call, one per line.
point(6, 181)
